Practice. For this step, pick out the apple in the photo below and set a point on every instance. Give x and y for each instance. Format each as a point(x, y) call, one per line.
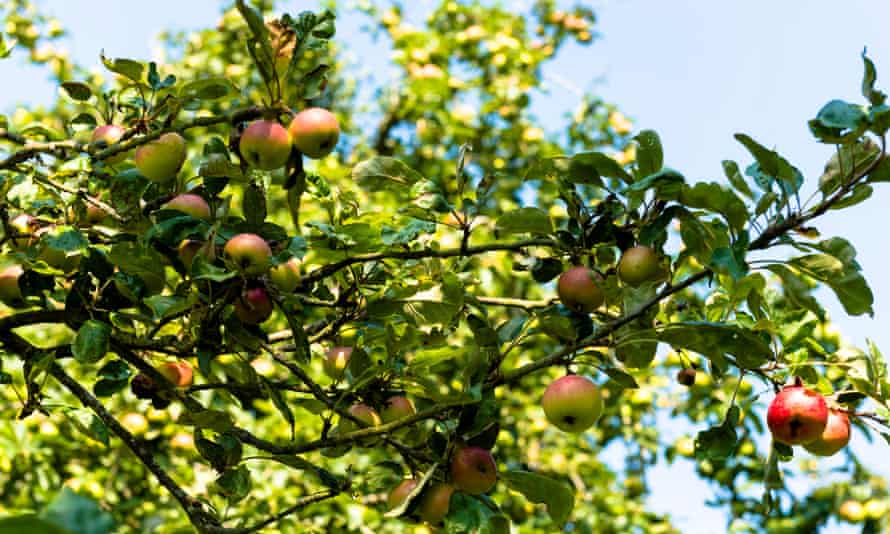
point(686, 377)
point(59, 259)
point(187, 250)
point(190, 204)
point(254, 306)
point(135, 423)
point(363, 413)
point(315, 132)
point(434, 503)
point(10, 292)
point(160, 159)
point(473, 470)
point(578, 290)
point(26, 225)
point(179, 373)
point(637, 265)
point(852, 511)
point(398, 495)
point(249, 253)
point(835, 436)
point(143, 386)
point(109, 134)
point(572, 403)
point(797, 415)
point(265, 145)
point(286, 276)
point(336, 361)
point(94, 214)
point(875, 508)
point(396, 408)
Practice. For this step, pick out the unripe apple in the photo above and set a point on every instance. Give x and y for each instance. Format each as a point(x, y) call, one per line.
point(27, 226)
point(59, 259)
point(10, 292)
point(315, 132)
point(572, 403)
point(254, 306)
point(190, 204)
point(135, 423)
point(363, 413)
point(875, 508)
point(396, 408)
point(159, 160)
point(578, 290)
point(265, 145)
point(797, 415)
point(110, 134)
point(398, 495)
point(637, 265)
point(187, 250)
point(835, 436)
point(336, 361)
point(473, 470)
point(852, 511)
point(435, 502)
point(249, 253)
point(286, 276)
point(179, 373)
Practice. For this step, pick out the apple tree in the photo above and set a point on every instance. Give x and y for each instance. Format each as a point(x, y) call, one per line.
point(245, 288)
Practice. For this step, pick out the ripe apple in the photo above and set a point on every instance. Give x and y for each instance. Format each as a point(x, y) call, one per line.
point(159, 160)
point(190, 204)
point(254, 306)
point(286, 276)
point(110, 134)
point(434, 503)
point(473, 470)
point(572, 403)
point(797, 415)
point(336, 361)
point(143, 386)
point(315, 132)
point(637, 265)
point(578, 290)
point(249, 253)
point(686, 376)
point(27, 225)
point(835, 436)
point(179, 373)
point(265, 145)
point(363, 413)
point(398, 495)
point(396, 408)
point(10, 292)
point(852, 511)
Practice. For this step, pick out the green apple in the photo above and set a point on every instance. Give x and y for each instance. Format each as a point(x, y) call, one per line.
point(572, 403)
point(10, 292)
point(159, 160)
point(265, 145)
point(254, 306)
point(179, 373)
point(286, 276)
point(109, 134)
point(578, 290)
point(473, 470)
point(248, 253)
point(435, 502)
point(190, 204)
point(637, 265)
point(27, 226)
point(315, 132)
point(852, 511)
point(336, 361)
point(835, 436)
point(396, 408)
point(398, 495)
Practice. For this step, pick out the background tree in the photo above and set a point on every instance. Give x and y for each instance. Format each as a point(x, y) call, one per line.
point(158, 366)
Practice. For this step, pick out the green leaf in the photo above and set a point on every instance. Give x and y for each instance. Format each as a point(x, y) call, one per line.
point(29, 523)
point(716, 198)
point(558, 496)
point(623, 379)
point(207, 89)
point(468, 514)
point(89, 425)
point(869, 76)
point(718, 442)
point(77, 513)
point(127, 68)
point(234, 484)
point(650, 158)
point(841, 115)
point(769, 162)
point(727, 260)
point(91, 342)
point(407, 233)
point(211, 419)
point(667, 184)
point(525, 220)
point(138, 260)
point(843, 278)
point(78, 90)
point(385, 173)
point(713, 340)
point(582, 163)
point(734, 175)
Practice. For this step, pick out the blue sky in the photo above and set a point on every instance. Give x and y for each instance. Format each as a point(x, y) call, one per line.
point(694, 71)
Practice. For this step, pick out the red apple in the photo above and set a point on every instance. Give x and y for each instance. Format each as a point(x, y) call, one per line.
point(572, 403)
point(336, 361)
point(363, 413)
point(398, 495)
point(286, 276)
point(835, 436)
point(249, 253)
point(160, 159)
point(435, 502)
point(637, 265)
point(10, 292)
point(265, 145)
point(110, 134)
point(396, 408)
point(315, 132)
point(797, 415)
point(254, 306)
point(190, 204)
point(578, 289)
point(473, 470)
point(179, 373)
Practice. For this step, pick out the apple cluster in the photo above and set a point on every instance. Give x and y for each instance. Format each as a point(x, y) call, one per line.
point(800, 416)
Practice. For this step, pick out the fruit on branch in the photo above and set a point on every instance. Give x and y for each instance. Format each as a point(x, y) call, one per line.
point(398, 494)
point(179, 373)
point(637, 265)
point(686, 376)
point(852, 511)
point(190, 204)
point(10, 292)
point(572, 403)
point(315, 132)
point(875, 508)
point(143, 386)
point(187, 250)
point(254, 306)
point(835, 436)
point(435, 502)
point(396, 408)
point(159, 160)
point(797, 415)
point(286, 276)
point(249, 253)
point(265, 145)
point(473, 470)
point(135, 423)
point(110, 134)
point(93, 214)
point(336, 361)
point(363, 413)
point(27, 226)
point(578, 290)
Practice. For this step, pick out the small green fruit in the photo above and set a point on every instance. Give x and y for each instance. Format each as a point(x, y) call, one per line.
point(286, 276)
point(637, 265)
